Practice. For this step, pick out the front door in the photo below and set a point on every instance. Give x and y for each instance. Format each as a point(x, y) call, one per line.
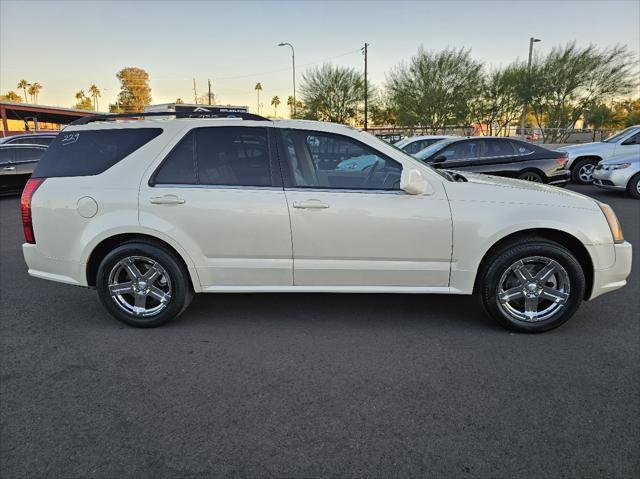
point(351, 224)
point(218, 195)
point(8, 178)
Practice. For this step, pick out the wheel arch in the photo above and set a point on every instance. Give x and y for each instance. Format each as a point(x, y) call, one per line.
point(108, 244)
point(578, 159)
point(573, 244)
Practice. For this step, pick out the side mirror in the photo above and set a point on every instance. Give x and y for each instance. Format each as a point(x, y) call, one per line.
point(412, 182)
point(439, 159)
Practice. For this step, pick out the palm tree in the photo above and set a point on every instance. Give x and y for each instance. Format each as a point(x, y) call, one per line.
point(32, 94)
point(290, 104)
point(95, 94)
point(275, 101)
point(22, 85)
point(36, 87)
point(258, 88)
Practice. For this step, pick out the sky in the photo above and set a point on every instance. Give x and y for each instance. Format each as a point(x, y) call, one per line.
point(68, 45)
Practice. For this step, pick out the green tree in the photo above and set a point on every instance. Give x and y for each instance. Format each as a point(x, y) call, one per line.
point(135, 92)
point(94, 91)
point(570, 80)
point(22, 85)
point(179, 101)
point(275, 102)
point(628, 111)
point(435, 89)
point(258, 89)
point(601, 117)
point(332, 93)
point(12, 96)
point(84, 102)
point(498, 102)
point(290, 104)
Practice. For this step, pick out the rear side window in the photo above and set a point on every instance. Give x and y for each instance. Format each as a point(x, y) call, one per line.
point(225, 156)
point(91, 152)
point(28, 154)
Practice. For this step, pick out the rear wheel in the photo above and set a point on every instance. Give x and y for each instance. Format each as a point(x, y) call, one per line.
point(143, 285)
point(633, 188)
point(582, 171)
point(531, 176)
point(532, 286)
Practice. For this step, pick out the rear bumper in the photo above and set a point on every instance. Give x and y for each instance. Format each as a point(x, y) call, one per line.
point(41, 266)
point(614, 277)
point(559, 179)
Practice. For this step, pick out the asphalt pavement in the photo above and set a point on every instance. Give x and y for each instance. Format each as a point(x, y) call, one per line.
point(314, 385)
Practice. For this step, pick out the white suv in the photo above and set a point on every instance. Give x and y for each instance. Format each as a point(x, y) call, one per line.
point(150, 211)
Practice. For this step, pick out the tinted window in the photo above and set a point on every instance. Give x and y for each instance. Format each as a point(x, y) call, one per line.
point(461, 150)
point(90, 152)
point(28, 154)
point(522, 148)
point(180, 165)
point(333, 161)
point(228, 156)
point(492, 148)
point(6, 155)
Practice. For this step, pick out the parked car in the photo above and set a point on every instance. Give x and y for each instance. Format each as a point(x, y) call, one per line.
point(414, 144)
point(44, 139)
point(17, 162)
point(584, 158)
point(620, 174)
point(499, 156)
point(154, 211)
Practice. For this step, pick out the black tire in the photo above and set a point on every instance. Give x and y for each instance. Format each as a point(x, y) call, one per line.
point(499, 266)
point(174, 280)
point(578, 173)
point(633, 187)
point(531, 176)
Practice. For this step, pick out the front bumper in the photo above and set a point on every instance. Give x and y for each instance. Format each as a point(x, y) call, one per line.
point(613, 179)
point(614, 277)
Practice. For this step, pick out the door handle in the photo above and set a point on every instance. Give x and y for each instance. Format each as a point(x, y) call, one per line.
point(166, 200)
point(310, 205)
point(9, 168)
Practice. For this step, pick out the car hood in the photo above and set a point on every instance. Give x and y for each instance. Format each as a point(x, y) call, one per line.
point(508, 190)
point(584, 147)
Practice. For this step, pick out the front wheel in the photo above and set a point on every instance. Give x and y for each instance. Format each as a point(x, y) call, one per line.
point(633, 188)
point(582, 171)
point(143, 285)
point(532, 286)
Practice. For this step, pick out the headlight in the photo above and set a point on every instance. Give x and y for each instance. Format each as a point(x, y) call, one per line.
point(614, 224)
point(617, 166)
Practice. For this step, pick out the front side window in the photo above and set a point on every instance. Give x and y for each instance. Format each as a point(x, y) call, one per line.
point(461, 150)
point(324, 160)
point(634, 140)
point(5, 156)
point(224, 156)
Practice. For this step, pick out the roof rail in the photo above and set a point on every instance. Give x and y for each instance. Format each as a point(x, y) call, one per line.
point(178, 114)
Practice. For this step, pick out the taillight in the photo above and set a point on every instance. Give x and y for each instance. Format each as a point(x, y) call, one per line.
point(25, 206)
point(562, 161)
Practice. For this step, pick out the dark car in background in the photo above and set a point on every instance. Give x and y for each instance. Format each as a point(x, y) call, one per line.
point(17, 162)
point(500, 157)
point(44, 139)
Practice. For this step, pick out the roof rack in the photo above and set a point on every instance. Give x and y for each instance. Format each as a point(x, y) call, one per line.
point(178, 114)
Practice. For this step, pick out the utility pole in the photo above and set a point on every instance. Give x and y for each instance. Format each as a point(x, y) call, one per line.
point(195, 94)
point(366, 87)
point(524, 111)
point(209, 81)
point(293, 62)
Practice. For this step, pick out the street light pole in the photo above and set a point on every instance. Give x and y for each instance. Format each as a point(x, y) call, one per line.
point(293, 60)
point(524, 111)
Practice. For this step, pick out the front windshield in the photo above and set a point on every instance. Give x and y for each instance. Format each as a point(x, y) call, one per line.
point(619, 135)
point(431, 149)
point(407, 155)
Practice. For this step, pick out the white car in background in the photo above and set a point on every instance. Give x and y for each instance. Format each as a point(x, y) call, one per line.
point(415, 144)
point(150, 212)
point(619, 174)
point(584, 158)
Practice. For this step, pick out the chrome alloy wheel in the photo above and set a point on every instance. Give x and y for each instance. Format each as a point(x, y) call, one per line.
point(638, 187)
point(533, 289)
point(140, 286)
point(585, 173)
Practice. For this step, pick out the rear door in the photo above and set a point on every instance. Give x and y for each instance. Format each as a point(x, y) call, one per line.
point(218, 193)
point(495, 156)
point(7, 170)
point(26, 159)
